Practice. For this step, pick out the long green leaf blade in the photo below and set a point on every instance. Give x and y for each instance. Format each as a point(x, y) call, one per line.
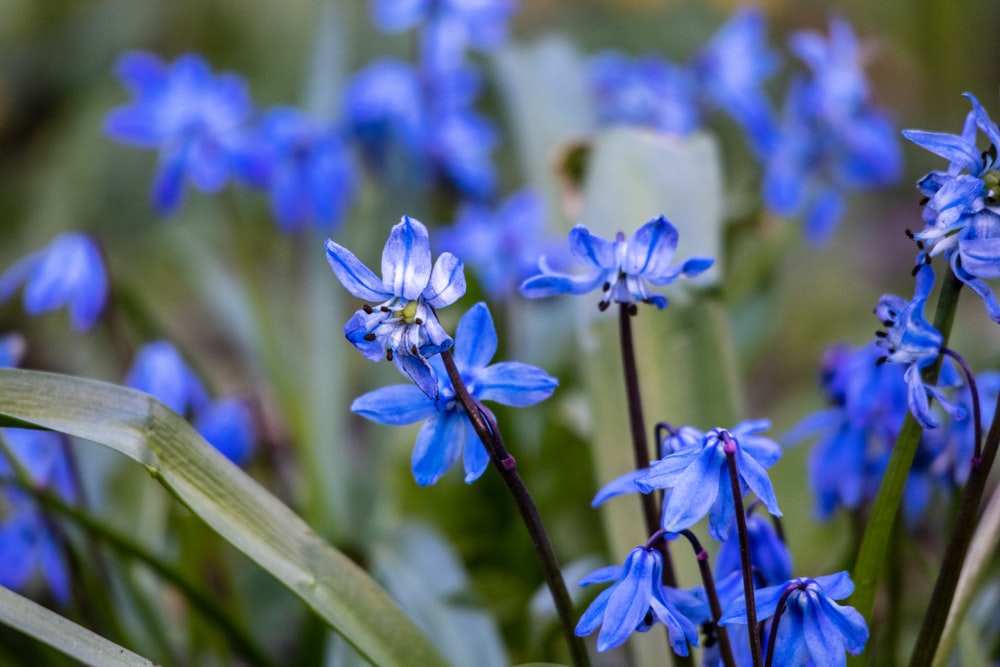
point(228, 500)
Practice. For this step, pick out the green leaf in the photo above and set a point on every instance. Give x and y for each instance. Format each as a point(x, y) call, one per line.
point(63, 634)
point(226, 499)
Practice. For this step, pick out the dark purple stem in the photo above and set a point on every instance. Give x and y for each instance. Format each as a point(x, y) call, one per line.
point(721, 633)
point(486, 428)
point(729, 446)
point(772, 638)
point(974, 390)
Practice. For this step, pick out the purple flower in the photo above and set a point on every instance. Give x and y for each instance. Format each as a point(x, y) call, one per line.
point(637, 600)
point(620, 268)
point(68, 272)
point(404, 327)
point(196, 119)
point(446, 432)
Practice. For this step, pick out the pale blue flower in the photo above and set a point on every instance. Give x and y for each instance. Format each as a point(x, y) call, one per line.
point(402, 326)
point(620, 268)
point(637, 600)
point(196, 119)
point(159, 370)
point(68, 272)
point(813, 627)
point(228, 425)
point(699, 483)
point(447, 432)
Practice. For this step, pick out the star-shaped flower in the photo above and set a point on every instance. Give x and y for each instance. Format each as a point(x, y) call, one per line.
point(698, 478)
point(620, 268)
point(404, 327)
point(813, 626)
point(637, 600)
point(447, 432)
point(68, 272)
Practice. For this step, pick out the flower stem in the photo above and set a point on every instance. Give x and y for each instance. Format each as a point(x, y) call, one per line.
point(958, 546)
point(486, 428)
point(872, 554)
point(974, 392)
point(729, 445)
point(721, 633)
point(772, 638)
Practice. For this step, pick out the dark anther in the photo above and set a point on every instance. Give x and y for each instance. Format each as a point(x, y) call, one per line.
point(417, 320)
point(909, 233)
point(648, 620)
point(414, 351)
point(385, 309)
point(708, 630)
point(633, 309)
point(923, 202)
point(920, 245)
point(606, 287)
point(602, 306)
point(881, 334)
point(369, 337)
point(990, 154)
point(916, 269)
point(881, 360)
point(367, 309)
point(388, 355)
point(888, 323)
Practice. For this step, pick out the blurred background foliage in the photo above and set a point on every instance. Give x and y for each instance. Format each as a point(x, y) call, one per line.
point(786, 301)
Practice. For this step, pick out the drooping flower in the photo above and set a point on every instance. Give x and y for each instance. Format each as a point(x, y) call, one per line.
point(447, 432)
point(731, 70)
point(813, 627)
point(196, 119)
point(831, 137)
point(308, 171)
point(637, 600)
point(404, 327)
point(911, 340)
point(962, 206)
point(159, 370)
point(699, 482)
point(68, 272)
point(228, 425)
point(620, 268)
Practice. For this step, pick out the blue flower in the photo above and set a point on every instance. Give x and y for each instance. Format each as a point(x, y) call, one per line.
point(771, 559)
point(68, 272)
point(648, 92)
point(159, 370)
point(196, 119)
point(831, 138)
point(731, 71)
point(447, 432)
point(621, 269)
point(228, 426)
point(383, 106)
point(698, 478)
point(637, 600)
point(962, 206)
point(911, 340)
point(12, 349)
point(500, 245)
point(813, 626)
point(309, 173)
point(404, 327)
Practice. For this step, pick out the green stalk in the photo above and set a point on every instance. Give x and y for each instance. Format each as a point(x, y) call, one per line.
point(874, 545)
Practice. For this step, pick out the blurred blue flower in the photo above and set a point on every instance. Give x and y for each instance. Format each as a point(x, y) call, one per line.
point(648, 92)
point(771, 559)
point(732, 69)
point(383, 106)
point(404, 327)
point(953, 445)
point(12, 349)
point(637, 600)
point(620, 268)
point(501, 245)
point(68, 272)
point(159, 370)
point(196, 119)
point(831, 139)
point(698, 478)
point(962, 209)
point(228, 426)
point(813, 627)
point(911, 340)
point(308, 172)
point(447, 432)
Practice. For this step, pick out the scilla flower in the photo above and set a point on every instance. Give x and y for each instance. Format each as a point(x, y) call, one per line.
point(447, 432)
point(813, 627)
point(637, 600)
point(620, 268)
point(402, 326)
point(698, 478)
point(910, 339)
point(68, 272)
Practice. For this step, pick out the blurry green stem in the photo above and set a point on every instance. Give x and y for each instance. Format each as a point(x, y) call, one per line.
point(872, 554)
point(958, 546)
point(486, 428)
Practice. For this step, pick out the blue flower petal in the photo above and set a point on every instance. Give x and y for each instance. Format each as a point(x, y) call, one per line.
point(439, 444)
point(419, 370)
point(406, 259)
point(475, 339)
point(447, 282)
point(619, 486)
point(951, 147)
point(651, 249)
point(554, 284)
point(395, 405)
point(514, 383)
point(591, 249)
point(475, 457)
point(356, 278)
